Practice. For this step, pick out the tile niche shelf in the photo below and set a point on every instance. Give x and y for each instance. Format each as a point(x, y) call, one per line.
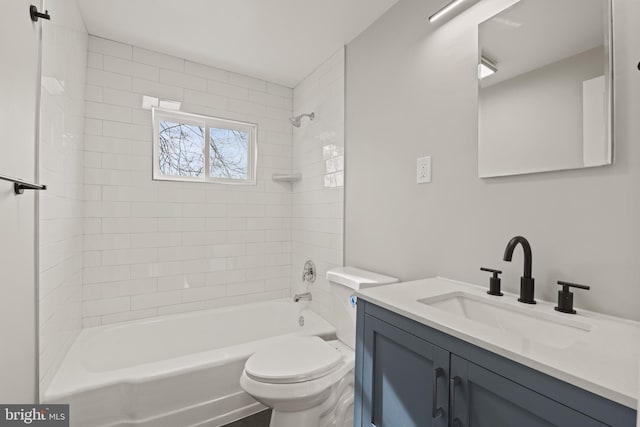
point(286, 177)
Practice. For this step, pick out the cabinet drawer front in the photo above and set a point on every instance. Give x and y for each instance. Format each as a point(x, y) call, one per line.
point(399, 370)
point(486, 399)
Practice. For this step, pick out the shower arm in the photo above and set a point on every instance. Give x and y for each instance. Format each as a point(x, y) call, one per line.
point(297, 120)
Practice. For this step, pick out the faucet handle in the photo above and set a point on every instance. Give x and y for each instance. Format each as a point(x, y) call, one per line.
point(565, 296)
point(567, 285)
point(309, 272)
point(494, 282)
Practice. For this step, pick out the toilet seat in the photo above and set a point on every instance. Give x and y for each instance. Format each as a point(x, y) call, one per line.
point(295, 360)
point(304, 398)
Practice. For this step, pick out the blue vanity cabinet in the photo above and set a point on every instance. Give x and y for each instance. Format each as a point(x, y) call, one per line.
point(406, 380)
point(481, 398)
point(408, 374)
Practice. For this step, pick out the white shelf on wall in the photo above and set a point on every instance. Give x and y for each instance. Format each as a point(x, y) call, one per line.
point(286, 177)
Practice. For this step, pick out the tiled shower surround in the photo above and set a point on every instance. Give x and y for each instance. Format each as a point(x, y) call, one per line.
point(158, 247)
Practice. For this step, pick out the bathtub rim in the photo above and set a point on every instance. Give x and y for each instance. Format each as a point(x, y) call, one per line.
point(71, 372)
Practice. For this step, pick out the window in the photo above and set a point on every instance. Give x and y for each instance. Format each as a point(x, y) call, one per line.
point(189, 147)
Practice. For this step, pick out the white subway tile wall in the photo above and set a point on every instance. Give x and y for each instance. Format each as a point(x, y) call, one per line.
point(155, 247)
point(64, 66)
point(318, 199)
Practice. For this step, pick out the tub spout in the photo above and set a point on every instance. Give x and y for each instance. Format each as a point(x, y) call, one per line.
point(302, 297)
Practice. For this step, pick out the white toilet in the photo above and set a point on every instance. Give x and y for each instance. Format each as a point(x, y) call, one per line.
point(307, 381)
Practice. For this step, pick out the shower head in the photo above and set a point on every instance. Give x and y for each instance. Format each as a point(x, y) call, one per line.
point(297, 120)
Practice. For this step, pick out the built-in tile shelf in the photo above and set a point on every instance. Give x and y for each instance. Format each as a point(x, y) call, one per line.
point(286, 177)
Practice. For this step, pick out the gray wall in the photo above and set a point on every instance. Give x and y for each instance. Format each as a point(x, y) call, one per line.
point(411, 91)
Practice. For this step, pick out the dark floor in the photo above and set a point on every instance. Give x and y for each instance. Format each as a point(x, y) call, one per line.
point(261, 419)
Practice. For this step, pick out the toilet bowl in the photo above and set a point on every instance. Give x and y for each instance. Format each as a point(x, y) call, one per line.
point(309, 382)
point(317, 391)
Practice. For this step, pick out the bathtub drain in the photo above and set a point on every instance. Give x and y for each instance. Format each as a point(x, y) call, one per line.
point(301, 320)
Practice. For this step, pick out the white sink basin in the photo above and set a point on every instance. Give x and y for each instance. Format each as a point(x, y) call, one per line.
point(551, 329)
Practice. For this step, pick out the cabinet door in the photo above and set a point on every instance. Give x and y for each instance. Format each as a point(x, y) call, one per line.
point(481, 398)
point(405, 379)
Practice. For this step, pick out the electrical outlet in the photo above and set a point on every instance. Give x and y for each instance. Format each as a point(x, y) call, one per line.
point(423, 172)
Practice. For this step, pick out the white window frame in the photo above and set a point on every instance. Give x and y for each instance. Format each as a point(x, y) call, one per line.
point(206, 122)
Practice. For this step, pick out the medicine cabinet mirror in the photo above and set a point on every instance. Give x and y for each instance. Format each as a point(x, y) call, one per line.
point(545, 87)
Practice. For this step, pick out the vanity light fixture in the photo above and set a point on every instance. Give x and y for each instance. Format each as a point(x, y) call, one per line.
point(446, 9)
point(486, 68)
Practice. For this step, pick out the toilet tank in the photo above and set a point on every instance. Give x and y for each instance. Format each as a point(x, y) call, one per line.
point(344, 281)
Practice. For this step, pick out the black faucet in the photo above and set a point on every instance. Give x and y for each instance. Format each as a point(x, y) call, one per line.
point(526, 281)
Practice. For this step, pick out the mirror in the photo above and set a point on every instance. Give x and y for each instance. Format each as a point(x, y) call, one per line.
point(545, 87)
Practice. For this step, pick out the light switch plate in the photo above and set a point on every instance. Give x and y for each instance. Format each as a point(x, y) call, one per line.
point(423, 172)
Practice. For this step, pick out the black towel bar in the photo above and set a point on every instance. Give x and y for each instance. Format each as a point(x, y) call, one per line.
point(19, 185)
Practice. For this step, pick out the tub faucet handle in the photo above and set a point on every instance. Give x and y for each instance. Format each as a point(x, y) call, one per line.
point(309, 272)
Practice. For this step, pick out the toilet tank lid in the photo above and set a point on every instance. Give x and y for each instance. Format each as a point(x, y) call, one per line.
point(356, 278)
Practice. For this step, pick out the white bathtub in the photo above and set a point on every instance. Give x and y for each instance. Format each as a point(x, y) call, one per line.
point(178, 370)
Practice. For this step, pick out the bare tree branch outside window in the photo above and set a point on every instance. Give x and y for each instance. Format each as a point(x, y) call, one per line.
point(181, 151)
point(228, 151)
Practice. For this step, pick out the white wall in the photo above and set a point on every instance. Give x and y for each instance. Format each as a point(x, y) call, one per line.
point(412, 91)
point(18, 85)
point(157, 247)
point(64, 66)
point(318, 199)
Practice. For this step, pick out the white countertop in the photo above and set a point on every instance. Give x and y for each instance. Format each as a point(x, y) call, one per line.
point(603, 361)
